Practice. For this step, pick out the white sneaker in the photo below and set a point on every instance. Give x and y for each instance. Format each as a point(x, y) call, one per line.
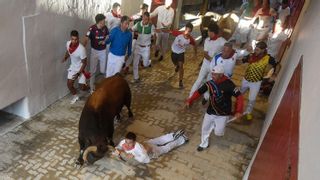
point(177, 134)
point(91, 91)
point(74, 99)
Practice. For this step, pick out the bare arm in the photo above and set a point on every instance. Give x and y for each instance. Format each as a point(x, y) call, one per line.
point(85, 41)
point(66, 56)
point(206, 55)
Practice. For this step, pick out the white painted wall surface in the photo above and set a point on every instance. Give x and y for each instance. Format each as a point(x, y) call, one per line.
point(305, 42)
point(37, 76)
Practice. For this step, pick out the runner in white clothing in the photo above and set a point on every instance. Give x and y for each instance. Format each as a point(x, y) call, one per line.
point(227, 59)
point(135, 18)
point(114, 16)
point(145, 32)
point(78, 57)
point(178, 47)
point(153, 148)
point(212, 46)
point(165, 18)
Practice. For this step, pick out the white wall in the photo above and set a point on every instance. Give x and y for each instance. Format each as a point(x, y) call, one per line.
point(36, 75)
point(130, 7)
point(305, 42)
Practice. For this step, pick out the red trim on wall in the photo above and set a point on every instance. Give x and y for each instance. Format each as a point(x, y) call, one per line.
point(277, 157)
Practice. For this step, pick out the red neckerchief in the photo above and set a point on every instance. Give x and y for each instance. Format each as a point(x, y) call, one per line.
point(221, 80)
point(265, 12)
point(115, 15)
point(72, 48)
point(215, 37)
point(254, 58)
point(126, 147)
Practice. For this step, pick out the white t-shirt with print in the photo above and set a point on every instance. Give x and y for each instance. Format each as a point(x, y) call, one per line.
point(76, 57)
point(227, 64)
point(180, 44)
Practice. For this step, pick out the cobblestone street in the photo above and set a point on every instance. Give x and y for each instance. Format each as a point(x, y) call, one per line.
point(46, 146)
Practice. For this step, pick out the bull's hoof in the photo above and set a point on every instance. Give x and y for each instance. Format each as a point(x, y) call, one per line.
point(130, 115)
point(111, 143)
point(78, 163)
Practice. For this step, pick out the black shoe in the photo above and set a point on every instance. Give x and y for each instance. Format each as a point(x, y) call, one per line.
point(204, 102)
point(156, 54)
point(201, 148)
point(161, 58)
point(180, 84)
point(177, 68)
point(186, 139)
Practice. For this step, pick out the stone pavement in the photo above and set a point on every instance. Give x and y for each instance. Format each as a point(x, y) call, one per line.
point(45, 147)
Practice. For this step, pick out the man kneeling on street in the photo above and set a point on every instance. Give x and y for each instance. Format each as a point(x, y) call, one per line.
point(153, 148)
point(221, 89)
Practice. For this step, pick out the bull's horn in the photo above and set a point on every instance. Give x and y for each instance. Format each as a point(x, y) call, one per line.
point(87, 151)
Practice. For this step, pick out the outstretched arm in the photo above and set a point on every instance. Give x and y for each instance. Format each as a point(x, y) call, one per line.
point(196, 95)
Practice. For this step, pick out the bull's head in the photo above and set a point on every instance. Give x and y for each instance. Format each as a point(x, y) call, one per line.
point(91, 154)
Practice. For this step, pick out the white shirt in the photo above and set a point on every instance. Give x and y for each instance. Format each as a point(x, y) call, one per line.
point(214, 47)
point(227, 64)
point(283, 13)
point(274, 42)
point(179, 44)
point(112, 21)
point(76, 57)
point(144, 39)
point(265, 21)
point(165, 16)
point(139, 152)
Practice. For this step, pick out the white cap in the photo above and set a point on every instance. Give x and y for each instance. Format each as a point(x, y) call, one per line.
point(217, 69)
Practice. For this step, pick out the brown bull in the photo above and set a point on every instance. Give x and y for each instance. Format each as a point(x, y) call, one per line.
point(96, 125)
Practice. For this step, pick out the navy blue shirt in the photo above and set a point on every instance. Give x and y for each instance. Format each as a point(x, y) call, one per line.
point(119, 41)
point(97, 36)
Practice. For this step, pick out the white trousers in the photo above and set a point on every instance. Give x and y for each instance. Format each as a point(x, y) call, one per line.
point(162, 42)
point(204, 76)
point(254, 88)
point(114, 65)
point(97, 57)
point(159, 150)
point(212, 122)
point(140, 52)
